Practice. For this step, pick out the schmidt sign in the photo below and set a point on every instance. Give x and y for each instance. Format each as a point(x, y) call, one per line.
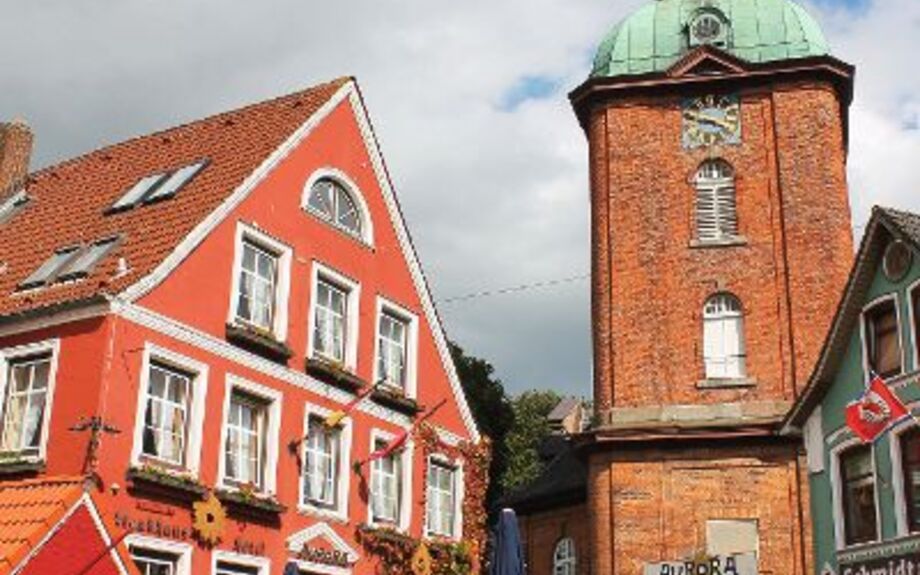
point(744, 564)
point(904, 565)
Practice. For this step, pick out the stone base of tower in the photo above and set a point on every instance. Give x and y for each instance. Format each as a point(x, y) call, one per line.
point(650, 502)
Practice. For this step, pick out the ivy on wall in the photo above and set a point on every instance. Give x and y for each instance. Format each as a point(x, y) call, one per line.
point(394, 550)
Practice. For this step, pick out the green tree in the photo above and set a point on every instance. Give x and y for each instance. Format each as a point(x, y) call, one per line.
point(491, 409)
point(531, 427)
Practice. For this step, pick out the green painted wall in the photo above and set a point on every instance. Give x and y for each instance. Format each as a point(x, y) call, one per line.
point(849, 383)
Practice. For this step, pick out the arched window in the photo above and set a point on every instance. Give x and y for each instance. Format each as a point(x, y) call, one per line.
point(716, 216)
point(331, 201)
point(723, 338)
point(564, 557)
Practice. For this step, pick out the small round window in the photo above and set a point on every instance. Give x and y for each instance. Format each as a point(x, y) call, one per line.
point(707, 28)
point(332, 202)
point(897, 261)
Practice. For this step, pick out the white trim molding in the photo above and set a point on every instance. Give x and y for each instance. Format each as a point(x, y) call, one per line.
point(261, 564)
point(196, 401)
point(182, 551)
point(813, 435)
point(296, 542)
point(340, 177)
point(284, 254)
point(837, 493)
point(406, 472)
point(189, 335)
point(339, 511)
point(50, 347)
point(388, 307)
point(897, 470)
point(864, 349)
point(352, 291)
point(914, 320)
point(459, 495)
point(349, 91)
point(272, 398)
point(208, 224)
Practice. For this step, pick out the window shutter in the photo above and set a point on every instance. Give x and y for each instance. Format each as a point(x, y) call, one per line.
point(707, 226)
point(728, 218)
point(734, 347)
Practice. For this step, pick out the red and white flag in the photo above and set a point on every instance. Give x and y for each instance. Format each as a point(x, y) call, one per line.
point(875, 412)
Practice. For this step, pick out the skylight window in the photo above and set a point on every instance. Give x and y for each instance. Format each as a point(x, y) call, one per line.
point(70, 263)
point(158, 186)
point(12, 205)
point(49, 270)
point(83, 264)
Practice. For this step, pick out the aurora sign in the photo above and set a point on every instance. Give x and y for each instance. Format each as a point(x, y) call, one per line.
point(743, 564)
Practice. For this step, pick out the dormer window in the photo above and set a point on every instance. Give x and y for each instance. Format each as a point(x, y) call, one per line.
point(708, 27)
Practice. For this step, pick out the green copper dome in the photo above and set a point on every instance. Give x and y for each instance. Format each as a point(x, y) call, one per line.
point(657, 35)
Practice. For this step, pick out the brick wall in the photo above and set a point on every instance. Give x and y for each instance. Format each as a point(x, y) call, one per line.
point(658, 503)
point(15, 153)
point(650, 287)
point(541, 532)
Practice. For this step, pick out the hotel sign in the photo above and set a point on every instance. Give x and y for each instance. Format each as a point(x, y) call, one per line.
point(895, 565)
point(744, 564)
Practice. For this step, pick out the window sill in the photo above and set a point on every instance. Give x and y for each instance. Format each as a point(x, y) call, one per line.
point(386, 533)
point(258, 342)
point(738, 383)
point(335, 375)
point(253, 506)
point(21, 466)
point(396, 401)
point(327, 514)
point(157, 482)
point(728, 242)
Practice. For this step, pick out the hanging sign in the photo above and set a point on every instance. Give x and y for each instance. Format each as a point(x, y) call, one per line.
point(742, 564)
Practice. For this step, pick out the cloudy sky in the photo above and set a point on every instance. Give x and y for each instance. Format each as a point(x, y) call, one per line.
point(469, 101)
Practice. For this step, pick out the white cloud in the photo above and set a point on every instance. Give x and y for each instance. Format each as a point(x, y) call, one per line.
point(494, 197)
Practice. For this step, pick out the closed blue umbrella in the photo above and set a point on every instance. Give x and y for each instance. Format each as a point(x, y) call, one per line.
point(507, 557)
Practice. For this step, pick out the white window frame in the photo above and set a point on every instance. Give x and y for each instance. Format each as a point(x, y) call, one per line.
point(273, 399)
point(406, 461)
point(263, 564)
point(196, 407)
point(339, 512)
point(738, 316)
point(897, 470)
point(284, 253)
point(864, 341)
point(352, 291)
point(10, 355)
point(570, 562)
point(182, 551)
point(388, 307)
point(837, 493)
point(331, 173)
point(443, 460)
point(914, 318)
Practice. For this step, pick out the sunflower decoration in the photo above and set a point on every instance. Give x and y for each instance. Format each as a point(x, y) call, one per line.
point(209, 517)
point(421, 560)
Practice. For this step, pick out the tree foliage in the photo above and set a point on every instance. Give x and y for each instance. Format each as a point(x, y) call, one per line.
point(531, 427)
point(491, 409)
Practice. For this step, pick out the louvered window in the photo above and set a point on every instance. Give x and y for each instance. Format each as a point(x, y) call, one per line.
point(716, 214)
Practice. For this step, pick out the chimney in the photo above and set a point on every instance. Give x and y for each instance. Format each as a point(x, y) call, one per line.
point(15, 153)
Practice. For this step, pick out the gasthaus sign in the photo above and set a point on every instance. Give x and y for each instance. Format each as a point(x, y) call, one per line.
point(742, 564)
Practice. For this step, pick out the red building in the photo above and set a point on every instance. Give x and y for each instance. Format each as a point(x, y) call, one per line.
point(204, 298)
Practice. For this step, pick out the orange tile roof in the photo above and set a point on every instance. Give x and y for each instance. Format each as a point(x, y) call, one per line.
point(68, 201)
point(28, 509)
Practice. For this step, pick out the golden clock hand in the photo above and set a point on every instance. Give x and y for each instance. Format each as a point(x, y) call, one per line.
point(710, 119)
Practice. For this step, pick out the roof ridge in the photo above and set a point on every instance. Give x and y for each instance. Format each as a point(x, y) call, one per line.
point(63, 164)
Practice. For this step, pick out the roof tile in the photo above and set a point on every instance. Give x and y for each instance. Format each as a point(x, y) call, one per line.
point(68, 202)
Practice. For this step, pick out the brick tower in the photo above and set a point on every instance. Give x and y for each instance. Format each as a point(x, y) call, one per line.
point(721, 242)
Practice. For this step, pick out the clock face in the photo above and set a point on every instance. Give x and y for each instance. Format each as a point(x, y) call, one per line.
point(711, 121)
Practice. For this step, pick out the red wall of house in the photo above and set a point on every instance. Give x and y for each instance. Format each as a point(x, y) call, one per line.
point(198, 293)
